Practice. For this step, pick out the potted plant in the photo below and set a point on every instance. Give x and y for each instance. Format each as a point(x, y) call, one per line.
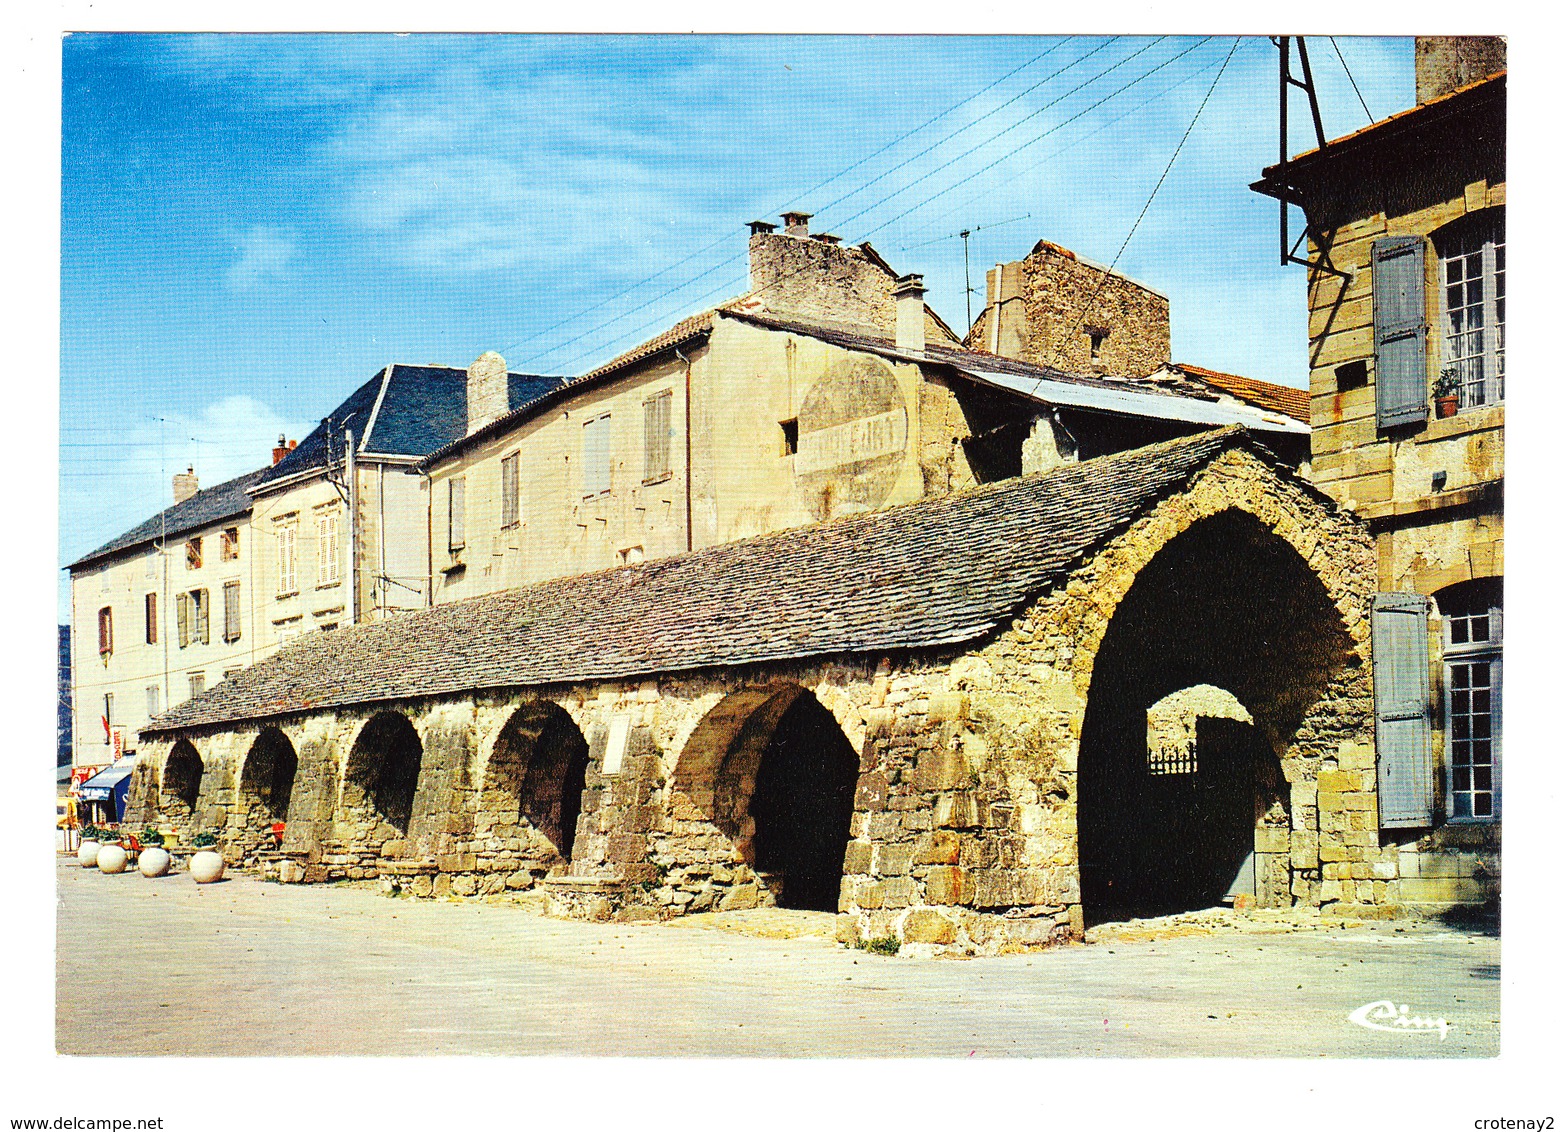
point(112, 857)
point(1447, 390)
point(206, 866)
point(87, 852)
point(154, 860)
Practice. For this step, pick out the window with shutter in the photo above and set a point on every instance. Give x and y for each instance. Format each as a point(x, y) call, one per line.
point(152, 700)
point(1400, 640)
point(202, 608)
point(456, 513)
point(152, 619)
point(656, 415)
point(1401, 378)
point(230, 545)
point(193, 554)
point(105, 631)
point(287, 558)
point(510, 489)
point(182, 616)
point(595, 477)
point(328, 551)
point(197, 684)
point(230, 611)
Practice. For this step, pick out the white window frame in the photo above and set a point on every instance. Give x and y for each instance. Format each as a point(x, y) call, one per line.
point(1482, 235)
point(1490, 651)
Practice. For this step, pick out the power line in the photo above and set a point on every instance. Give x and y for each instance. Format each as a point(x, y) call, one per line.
point(1114, 94)
point(1349, 73)
point(1087, 307)
point(793, 200)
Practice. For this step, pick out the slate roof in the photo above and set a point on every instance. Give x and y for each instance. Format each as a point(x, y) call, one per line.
point(423, 408)
point(225, 501)
point(933, 573)
point(1279, 398)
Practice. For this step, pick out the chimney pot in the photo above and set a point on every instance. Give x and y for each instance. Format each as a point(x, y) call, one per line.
point(761, 227)
point(909, 296)
point(827, 238)
point(488, 393)
point(796, 223)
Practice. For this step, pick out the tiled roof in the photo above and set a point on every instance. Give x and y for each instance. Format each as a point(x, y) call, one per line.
point(424, 408)
point(681, 333)
point(225, 501)
point(928, 574)
point(1279, 398)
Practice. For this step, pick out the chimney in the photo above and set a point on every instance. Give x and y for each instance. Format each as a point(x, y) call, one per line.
point(488, 395)
point(185, 484)
point(796, 223)
point(827, 238)
point(280, 451)
point(761, 227)
point(909, 296)
point(1442, 63)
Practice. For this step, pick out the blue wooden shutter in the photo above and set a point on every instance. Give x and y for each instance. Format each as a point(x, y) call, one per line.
point(1400, 641)
point(1401, 383)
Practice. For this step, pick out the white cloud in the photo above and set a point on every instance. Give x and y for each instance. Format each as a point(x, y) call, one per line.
point(264, 257)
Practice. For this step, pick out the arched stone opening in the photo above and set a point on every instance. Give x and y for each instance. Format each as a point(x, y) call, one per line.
point(533, 786)
point(180, 788)
point(380, 780)
point(1227, 627)
point(266, 786)
point(783, 792)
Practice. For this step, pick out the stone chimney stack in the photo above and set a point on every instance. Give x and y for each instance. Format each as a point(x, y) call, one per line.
point(909, 296)
point(185, 484)
point(488, 395)
point(796, 223)
point(1441, 63)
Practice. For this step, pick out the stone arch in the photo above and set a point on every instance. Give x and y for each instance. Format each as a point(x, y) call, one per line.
point(179, 791)
point(1226, 601)
point(774, 771)
point(266, 778)
point(532, 786)
point(379, 781)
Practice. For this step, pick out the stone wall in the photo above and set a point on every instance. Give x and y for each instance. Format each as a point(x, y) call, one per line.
point(1049, 307)
point(963, 832)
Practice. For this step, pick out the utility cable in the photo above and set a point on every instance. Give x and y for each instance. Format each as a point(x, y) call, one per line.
point(862, 212)
point(1349, 73)
point(1092, 298)
point(795, 199)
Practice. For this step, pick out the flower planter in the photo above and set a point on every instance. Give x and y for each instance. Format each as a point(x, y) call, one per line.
point(112, 859)
point(87, 854)
point(207, 866)
point(154, 861)
point(1445, 407)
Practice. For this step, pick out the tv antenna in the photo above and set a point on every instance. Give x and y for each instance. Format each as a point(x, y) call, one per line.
point(967, 271)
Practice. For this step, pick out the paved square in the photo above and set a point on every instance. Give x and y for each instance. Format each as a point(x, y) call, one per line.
point(250, 968)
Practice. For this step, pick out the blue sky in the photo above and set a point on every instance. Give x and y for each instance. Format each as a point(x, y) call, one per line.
point(253, 225)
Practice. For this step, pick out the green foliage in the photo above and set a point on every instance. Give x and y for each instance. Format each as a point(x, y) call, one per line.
point(151, 836)
point(888, 945)
point(204, 841)
point(1449, 383)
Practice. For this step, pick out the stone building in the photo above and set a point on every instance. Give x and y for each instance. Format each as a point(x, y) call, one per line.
point(1406, 226)
point(944, 720)
point(829, 389)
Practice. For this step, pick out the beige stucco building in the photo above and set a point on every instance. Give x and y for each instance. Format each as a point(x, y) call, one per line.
point(1406, 225)
point(829, 389)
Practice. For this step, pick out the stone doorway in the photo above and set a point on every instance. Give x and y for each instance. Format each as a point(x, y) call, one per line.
point(792, 774)
point(1229, 607)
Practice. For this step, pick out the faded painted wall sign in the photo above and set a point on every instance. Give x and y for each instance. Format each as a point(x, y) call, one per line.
point(853, 433)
